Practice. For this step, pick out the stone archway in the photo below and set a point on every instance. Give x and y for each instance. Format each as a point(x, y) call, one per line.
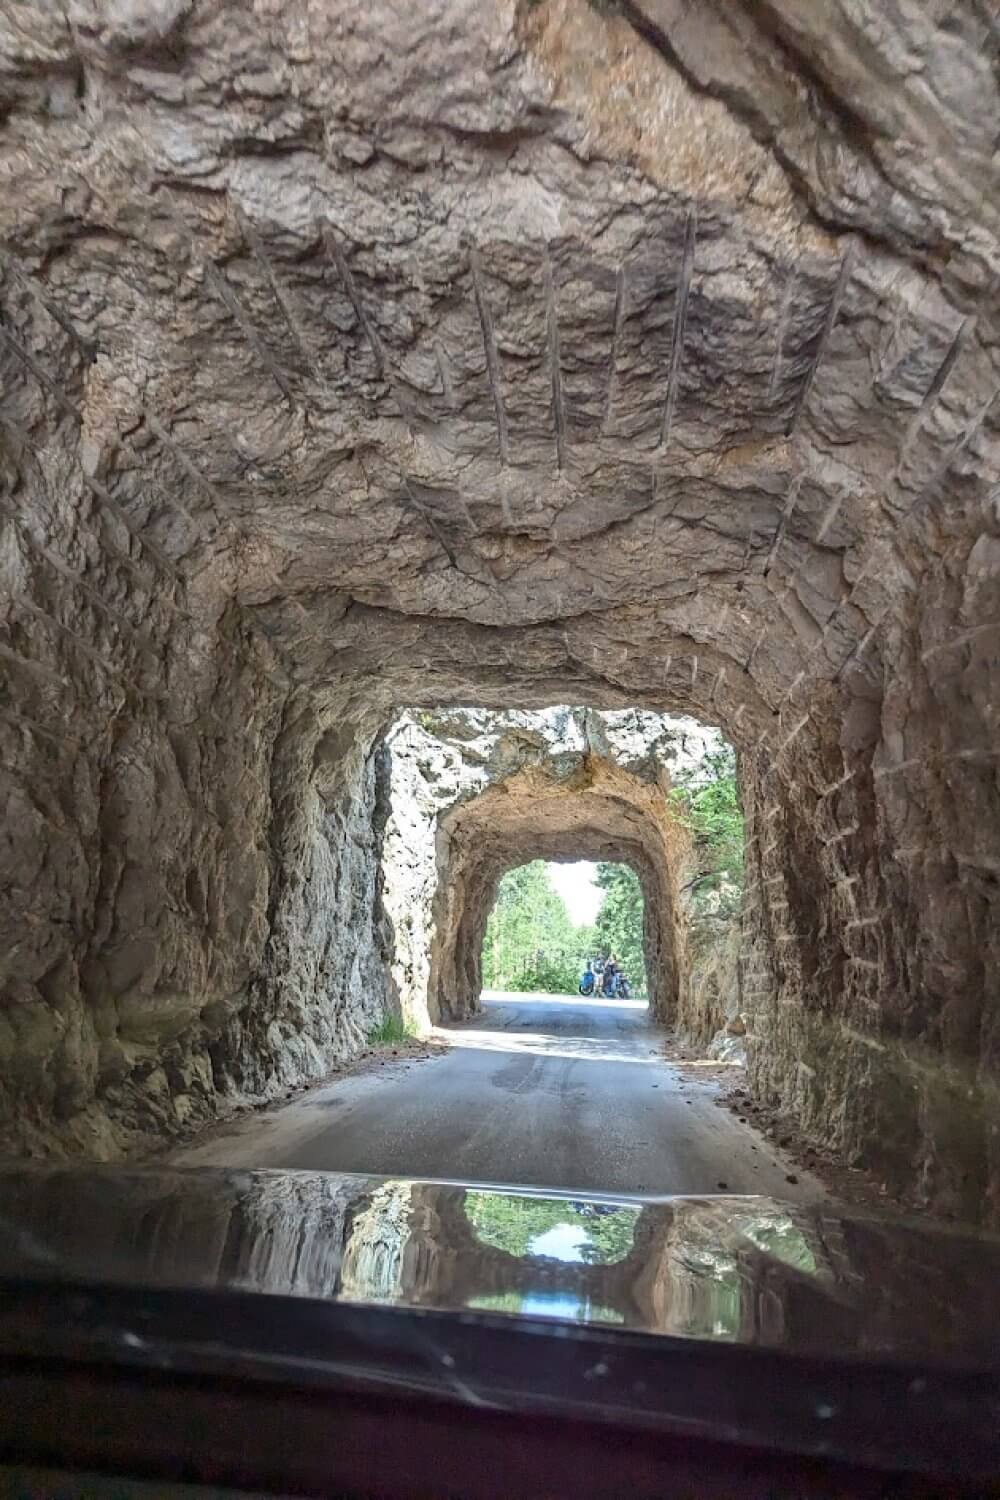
point(599, 813)
point(473, 794)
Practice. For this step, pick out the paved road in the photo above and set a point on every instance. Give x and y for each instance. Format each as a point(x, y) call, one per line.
point(539, 1091)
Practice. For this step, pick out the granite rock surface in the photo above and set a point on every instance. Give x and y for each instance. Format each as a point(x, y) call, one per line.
point(498, 355)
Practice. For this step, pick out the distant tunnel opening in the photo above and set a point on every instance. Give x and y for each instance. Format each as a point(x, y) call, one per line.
point(572, 927)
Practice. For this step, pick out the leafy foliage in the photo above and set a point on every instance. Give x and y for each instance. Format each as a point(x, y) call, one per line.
point(514, 1224)
point(390, 1030)
point(708, 801)
point(619, 924)
point(530, 942)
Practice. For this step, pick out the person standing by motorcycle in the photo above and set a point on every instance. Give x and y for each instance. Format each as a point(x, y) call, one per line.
point(609, 984)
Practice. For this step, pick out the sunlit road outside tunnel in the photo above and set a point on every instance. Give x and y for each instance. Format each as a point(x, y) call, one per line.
point(538, 1090)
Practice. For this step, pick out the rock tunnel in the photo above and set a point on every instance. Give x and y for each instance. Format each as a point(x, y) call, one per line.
point(494, 356)
point(494, 791)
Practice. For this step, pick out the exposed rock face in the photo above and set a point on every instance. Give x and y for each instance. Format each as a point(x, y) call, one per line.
point(363, 356)
point(473, 794)
point(713, 1018)
point(228, 939)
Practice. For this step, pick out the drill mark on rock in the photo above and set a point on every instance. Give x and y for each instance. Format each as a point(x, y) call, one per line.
point(226, 295)
point(73, 636)
point(957, 641)
point(899, 769)
point(108, 503)
point(336, 254)
point(87, 349)
point(618, 325)
point(964, 438)
point(187, 464)
point(63, 571)
point(555, 371)
point(784, 314)
point(447, 389)
point(490, 350)
point(680, 319)
point(791, 738)
point(281, 297)
point(429, 520)
point(748, 551)
point(694, 671)
point(829, 322)
point(105, 499)
point(755, 648)
point(718, 683)
point(832, 512)
point(932, 392)
point(791, 500)
point(41, 375)
point(859, 649)
point(791, 688)
point(222, 289)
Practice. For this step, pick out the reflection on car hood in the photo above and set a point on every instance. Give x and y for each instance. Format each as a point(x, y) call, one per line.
point(736, 1270)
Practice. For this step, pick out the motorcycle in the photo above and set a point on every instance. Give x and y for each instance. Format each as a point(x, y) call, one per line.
point(586, 985)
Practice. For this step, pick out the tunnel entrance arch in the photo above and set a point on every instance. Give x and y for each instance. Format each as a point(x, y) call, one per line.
point(477, 794)
point(552, 920)
point(475, 875)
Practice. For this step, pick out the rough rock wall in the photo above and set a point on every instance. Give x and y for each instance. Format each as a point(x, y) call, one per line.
point(184, 850)
point(713, 1020)
point(514, 355)
point(474, 793)
point(321, 984)
point(872, 918)
point(135, 826)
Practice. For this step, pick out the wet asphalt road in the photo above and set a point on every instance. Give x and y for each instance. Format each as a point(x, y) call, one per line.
point(538, 1091)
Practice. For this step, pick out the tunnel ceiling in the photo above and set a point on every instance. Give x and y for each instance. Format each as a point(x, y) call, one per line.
point(544, 350)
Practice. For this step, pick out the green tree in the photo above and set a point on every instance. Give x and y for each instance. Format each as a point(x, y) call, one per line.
point(605, 1231)
point(619, 924)
point(530, 942)
point(708, 801)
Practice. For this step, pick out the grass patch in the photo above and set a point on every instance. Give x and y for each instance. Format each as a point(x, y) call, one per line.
point(391, 1030)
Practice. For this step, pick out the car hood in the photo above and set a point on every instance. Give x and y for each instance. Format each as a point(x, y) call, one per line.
point(721, 1270)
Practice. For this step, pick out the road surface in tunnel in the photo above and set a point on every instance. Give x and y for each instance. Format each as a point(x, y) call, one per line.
point(537, 1090)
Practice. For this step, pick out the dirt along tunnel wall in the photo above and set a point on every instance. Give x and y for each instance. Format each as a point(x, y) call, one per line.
point(499, 355)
